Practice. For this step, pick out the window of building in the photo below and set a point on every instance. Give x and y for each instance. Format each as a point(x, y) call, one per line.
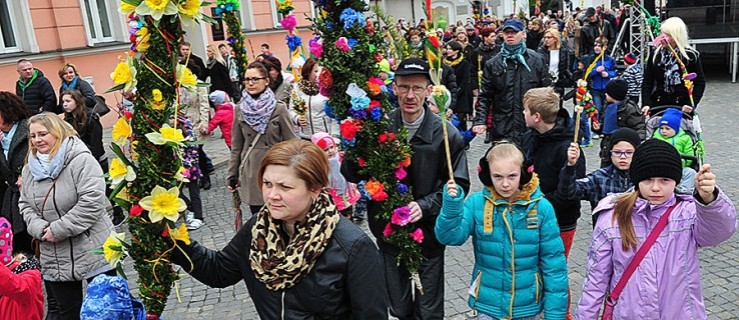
point(98, 20)
point(8, 33)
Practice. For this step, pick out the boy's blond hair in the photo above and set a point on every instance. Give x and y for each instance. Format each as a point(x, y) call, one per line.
point(543, 101)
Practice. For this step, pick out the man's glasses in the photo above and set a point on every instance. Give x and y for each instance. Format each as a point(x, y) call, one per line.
point(253, 80)
point(402, 89)
point(621, 153)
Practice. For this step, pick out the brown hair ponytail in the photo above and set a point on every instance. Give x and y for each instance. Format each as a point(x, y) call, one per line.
point(622, 213)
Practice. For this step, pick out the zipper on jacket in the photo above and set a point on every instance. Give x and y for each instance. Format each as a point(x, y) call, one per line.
point(513, 261)
point(71, 245)
point(538, 287)
point(282, 312)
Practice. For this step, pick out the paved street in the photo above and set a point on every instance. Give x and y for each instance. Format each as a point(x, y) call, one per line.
point(719, 114)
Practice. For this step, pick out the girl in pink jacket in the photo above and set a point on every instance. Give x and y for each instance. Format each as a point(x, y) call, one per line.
point(667, 283)
point(224, 117)
point(21, 296)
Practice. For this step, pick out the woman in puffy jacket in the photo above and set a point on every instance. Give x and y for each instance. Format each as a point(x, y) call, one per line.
point(298, 257)
point(667, 283)
point(63, 203)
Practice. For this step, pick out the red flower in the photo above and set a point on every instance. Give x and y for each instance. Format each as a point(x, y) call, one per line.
point(417, 235)
point(380, 196)
point(388, 230)
point(370, 28)
point(325, 79)
point(128, 115)
point(360, 161)
point(386, 137)
point(136, 211)
point(132, 38)
point(374, 104)
point(165, 233)
point(349, 129)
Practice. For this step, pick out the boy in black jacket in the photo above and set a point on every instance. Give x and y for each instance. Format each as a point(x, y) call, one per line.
point(550, 134)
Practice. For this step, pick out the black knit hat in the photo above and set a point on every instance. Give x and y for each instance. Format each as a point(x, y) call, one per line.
point(625, 134)
point(617, 89)
point(655, 158)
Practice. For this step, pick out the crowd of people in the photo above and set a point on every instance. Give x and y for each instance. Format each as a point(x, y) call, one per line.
point(300, 254)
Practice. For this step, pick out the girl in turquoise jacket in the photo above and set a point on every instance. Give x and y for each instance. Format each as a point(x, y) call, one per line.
point(520, 267)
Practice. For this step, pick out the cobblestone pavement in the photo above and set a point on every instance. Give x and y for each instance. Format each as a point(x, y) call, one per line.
point(720, 113)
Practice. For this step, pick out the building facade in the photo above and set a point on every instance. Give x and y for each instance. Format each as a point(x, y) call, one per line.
point(92, 34)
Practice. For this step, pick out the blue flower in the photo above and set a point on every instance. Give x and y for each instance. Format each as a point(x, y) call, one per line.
point(350, 18)
point(347, 143)
point(358, 114)
point(352, 42)
point(329, 110)
point(376, 114)
point(329, 25)
point(402, 189)
point(360, 103)
point(293, 42)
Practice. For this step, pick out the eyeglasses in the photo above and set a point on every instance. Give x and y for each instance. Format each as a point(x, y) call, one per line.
point(402, 89)
point(621, 153)
point(253, 80)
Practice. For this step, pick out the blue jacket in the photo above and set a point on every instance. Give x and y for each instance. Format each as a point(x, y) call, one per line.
point(516, 246)
point(599, 82)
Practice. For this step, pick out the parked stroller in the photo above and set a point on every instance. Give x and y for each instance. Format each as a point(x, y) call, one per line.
point(690, 124)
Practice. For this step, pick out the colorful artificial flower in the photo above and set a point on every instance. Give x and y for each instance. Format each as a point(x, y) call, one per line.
point(402, 188)
point(417, 235)
point(142, 39)
point(119, 171)
point(185, 77)
point(285, 6)
point(126, 8)
point(376, 113)
point(163, 203)
point(405, 162)
point(388, 230)
point(401, 216)
point(180, 234)
point(121, 131)
point(156, 8)
point(360, 162)
point(325, 83)
point(158, 104)
point(352, 43)
point(349, 17)
point(166, 134)
point(289, 23)
point(375, 84)
point(190, 10)
point(342, 45)
point(370, 27)
point(360, 103)
point(386, 137)
point(316, 47)
point(293, 42)
point(136, 211)
point(125, 73)
point(349, 129)
point(376, 190)
point(113, 248)
point(400, 173)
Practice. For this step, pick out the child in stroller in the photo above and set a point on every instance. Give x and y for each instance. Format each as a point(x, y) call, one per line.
point(671, 125)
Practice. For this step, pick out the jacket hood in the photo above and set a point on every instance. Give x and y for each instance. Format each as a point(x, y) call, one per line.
point(529, 193)
point(564, 128)
point(75, 148)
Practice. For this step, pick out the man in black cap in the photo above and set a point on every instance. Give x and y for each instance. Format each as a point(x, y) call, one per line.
point(505, 79)
point(427, 175)
point(594, 28)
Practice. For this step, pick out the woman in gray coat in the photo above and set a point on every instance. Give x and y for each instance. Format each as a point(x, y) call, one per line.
point(62, 201)
point(260, 121)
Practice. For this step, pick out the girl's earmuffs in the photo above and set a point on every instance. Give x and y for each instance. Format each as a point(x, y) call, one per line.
point(483, 168)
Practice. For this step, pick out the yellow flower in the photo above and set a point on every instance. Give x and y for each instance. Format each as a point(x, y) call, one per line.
point(180, 234)
point(185, 77)
point(113, 248)
point(126, 8)
point(163, 203)
point(121, 131)
point(190, 9)
point(125, 73)
point(165, 134)
point(142, 43)
point(119, 171)
point(157, 95)
point(156, 8)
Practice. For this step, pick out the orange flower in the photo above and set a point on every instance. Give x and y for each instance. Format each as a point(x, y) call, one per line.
point(373, 186)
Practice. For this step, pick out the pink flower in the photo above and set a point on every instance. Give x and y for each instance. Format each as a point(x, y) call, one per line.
point(388, 230)
point(417, 235)
point(289, 22)
point(342, 44)
point(401, 216)
point(400, 173)
point(316, 48)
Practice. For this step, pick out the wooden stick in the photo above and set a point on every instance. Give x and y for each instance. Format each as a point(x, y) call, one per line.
point(446, 147)
point(577, 122)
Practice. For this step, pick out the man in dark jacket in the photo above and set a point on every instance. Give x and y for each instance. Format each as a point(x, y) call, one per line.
point(35, 89)
point(546, 143)
point(186, 53)
point(427, 175)
point(593, 29)
point(505, 79)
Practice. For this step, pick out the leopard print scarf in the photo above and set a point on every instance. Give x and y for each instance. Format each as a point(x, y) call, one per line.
point(280, 262)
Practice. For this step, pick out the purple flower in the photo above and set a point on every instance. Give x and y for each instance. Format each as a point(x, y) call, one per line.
point(402, 189)
point(401, 216)
point(358, 114)
point(376, 114)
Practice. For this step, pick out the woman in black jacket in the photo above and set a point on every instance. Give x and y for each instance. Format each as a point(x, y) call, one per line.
point(298, 257)
point(218, 71)
point(14, 126)
point(560, 59)
point(465, 81)
point(71, 81)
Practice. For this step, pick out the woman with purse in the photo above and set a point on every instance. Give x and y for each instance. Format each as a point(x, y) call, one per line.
point(63, 203)
point(260, 121)
point(643, 258)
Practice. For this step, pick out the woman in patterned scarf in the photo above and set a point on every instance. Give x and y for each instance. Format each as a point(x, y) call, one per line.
point(298, 257)
point(260, 122)
point(663, 78)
